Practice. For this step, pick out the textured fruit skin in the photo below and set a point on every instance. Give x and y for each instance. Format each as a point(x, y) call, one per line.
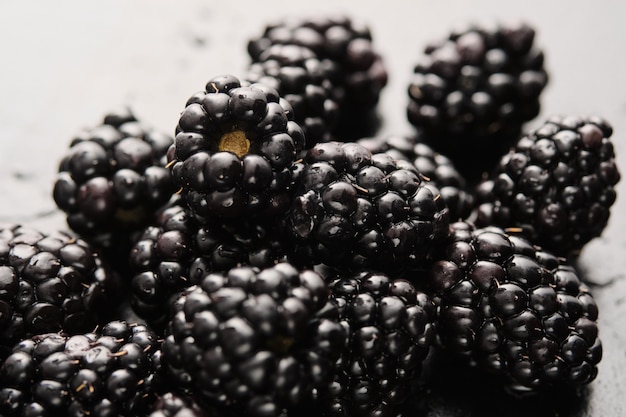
point(558, 184)
point(255, 340)
point(438, 168)
point(361, 74)
point(172, 404)
point(304, 81)
point(177, 251)
point(113, 178)
point(514, 310)
point(111, 372)
point(50, 282)
point(391, 329)
point(355, 210)
point(233, 150)
point(471, 92)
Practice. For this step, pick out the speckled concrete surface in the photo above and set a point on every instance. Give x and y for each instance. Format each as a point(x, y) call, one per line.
point(64, 64)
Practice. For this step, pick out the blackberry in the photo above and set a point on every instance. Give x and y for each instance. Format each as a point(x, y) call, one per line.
point(304, 81)
point(432, 165)
point(347, 42)
point(258, 341)
point(355, 210)
point(511, 309)
point(558, 184)
point(234, 148)
point(111, 372)
point(113, 178)
point(50, 282)
point(178, 251)
point(471, 93)
point(391, 329)
point(172, 404)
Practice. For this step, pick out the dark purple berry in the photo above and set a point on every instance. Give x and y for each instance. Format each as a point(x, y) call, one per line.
point(257, 340)
point(234, 147)
point(557, 184)
point(49, 283)
point(113, 178)
point(358, 73)
point(513, 310)
point(356, 210)
point(471, 92)
point(111, 372)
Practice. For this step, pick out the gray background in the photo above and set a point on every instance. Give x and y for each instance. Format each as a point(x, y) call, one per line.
point(64, 64)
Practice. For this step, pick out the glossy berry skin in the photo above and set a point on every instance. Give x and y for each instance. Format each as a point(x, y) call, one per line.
point(233, 150)
point(112, 372)
point(438, 168)
point(171, 404)
point(178, 251)
point(471, 92)
point(49, 283)
point(511, 309)
point(304, 81)
point(391, 329)
point(113, 178)
point(558, 184)
point(355, 210)
point(346, 41)
point(256, 340)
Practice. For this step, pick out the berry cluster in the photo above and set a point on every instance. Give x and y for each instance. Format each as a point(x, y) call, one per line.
point(471, 92)
point(514, 309)
point(113, 178)
point(273, 260)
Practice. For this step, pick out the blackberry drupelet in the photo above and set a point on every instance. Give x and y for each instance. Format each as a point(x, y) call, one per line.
point(558, 184)
point(178, 251)
point(111, 372)
point(233, 150)
point(511, 309)
point(304, 81)
point(50, 282)
point(471, 93)
point(355, 210)
point(113, 178)
point(391, 329)
point(432, 165)
point(347, 42)
point(172, 404)
point(258, 341)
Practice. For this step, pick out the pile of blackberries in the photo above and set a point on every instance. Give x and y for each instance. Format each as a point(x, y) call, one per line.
point(276, 257)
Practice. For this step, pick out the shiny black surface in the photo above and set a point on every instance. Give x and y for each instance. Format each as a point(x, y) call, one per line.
point(65, 64)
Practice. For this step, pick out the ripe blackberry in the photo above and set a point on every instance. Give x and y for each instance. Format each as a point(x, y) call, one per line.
point(111, 372)
point(356, 210)
point(391, 329)
point(234, 148)
point(558, 184)
point(172, 404)
point(514, 310)
point(305, 82)
point(113, 178)
point(50, 282)
point(347, 42)
point(256, 340)
point(432, 165)
point(471, 92)
point(178, 251)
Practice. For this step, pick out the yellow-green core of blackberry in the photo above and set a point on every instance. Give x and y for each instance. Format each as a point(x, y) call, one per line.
point(235, 142)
